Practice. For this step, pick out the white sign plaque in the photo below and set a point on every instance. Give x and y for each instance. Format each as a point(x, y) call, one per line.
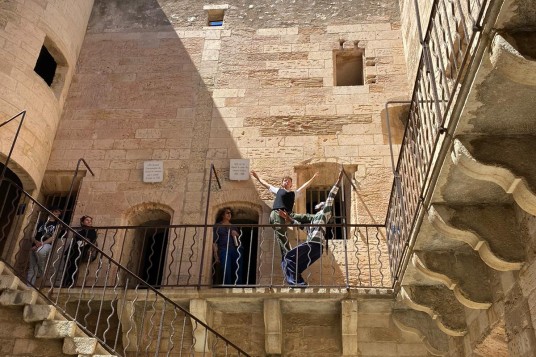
point(239, 169)
point(153, 171)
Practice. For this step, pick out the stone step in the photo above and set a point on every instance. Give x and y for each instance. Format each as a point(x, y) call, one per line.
point(35, 313)
point(55, 329)
point(79, 345)
point(11, 297)
point(97, 356)
point(9, 282)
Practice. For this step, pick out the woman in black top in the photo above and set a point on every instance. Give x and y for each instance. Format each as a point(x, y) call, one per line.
point(78, 251)
point(284, 200)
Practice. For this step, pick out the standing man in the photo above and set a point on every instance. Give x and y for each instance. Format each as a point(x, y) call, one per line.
point(42, 245)
point(284, 201)
point(305, 254)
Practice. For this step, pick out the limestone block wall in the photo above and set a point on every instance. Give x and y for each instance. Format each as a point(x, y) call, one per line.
point(310, 327)
point(410, 32)
point(24, 27)
point(162, 85)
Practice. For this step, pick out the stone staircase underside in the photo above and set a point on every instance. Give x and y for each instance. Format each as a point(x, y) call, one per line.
point(473, 234)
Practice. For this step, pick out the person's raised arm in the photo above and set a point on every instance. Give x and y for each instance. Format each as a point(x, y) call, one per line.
point(261, 181)
point(340, 177)
point(307, 184)
point(335, 188)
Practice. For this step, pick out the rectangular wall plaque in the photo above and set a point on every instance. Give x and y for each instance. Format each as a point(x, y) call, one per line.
point(239, 169)
point(153, 171)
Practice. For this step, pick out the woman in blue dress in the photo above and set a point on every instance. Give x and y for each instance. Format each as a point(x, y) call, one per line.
point(227, 249)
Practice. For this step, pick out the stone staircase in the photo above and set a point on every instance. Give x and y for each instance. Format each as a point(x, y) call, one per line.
point(469, 288)
point(53, 334)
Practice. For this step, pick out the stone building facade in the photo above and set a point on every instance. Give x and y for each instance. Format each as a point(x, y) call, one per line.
point(146, 80)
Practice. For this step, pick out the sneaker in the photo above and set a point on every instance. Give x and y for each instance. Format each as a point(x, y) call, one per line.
point(301, 280)
point(300, 284)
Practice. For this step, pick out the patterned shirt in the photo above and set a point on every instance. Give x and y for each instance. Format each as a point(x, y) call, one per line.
point(316, 234)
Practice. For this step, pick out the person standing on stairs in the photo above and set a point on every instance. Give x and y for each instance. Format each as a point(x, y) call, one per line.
point(42, 245)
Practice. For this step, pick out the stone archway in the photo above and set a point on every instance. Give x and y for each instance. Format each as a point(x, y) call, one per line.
point(244, 213)
point(147, 241)
point(9, 206)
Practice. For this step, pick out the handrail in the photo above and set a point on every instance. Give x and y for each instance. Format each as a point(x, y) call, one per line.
point(117, 286)
point(212, 170)
point(12, 147)
point(81, 160)
point(432, 114)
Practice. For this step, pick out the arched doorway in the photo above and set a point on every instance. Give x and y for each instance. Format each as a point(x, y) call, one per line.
point(9, 204)
point(148, 242)
point(153, 251)
point(243, 215)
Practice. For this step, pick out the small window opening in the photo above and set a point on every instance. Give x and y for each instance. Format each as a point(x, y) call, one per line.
point(215, 17)
point(58, 200)
point(319, 194)
point(46, 66)
point(348, 67)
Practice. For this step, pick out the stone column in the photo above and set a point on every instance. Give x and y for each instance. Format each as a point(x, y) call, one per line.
point(272, 326)
point(199, 308)
point(349, 327)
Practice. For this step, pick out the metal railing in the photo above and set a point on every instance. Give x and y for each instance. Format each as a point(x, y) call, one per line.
point(354, 256)
point(108, 301)
point(449, 45)
point(175, 256)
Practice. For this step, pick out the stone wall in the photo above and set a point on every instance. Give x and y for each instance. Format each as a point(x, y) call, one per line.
point(24, 27)
point(160, 85)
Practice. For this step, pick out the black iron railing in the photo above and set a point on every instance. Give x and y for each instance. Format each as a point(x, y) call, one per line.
point(449, 44)
point(354, 256)
point(108, 301)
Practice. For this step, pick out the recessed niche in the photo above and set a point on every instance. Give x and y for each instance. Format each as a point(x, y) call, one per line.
point(348, 67)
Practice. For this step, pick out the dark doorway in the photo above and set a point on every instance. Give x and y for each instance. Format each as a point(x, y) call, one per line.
point(153, 254)
point(9, 204)
point(248, 240)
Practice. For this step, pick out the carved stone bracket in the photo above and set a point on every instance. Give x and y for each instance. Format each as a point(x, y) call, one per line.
point(465, 275)
point(439, 303)
point(422, 325)
point(503, 252)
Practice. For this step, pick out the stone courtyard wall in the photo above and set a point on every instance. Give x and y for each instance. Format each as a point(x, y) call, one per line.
point(25, 26)
point(160, 85)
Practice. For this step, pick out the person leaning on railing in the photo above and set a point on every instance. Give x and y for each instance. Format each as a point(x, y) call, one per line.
point(41, 245)
point(227, 249)
point(305, 254)
point(79, 250)
point(284, 201)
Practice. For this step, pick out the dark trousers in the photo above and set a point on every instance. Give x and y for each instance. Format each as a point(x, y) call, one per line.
point(281, 229)
point(231, 265)
point(299, 259)
point(72, 263)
